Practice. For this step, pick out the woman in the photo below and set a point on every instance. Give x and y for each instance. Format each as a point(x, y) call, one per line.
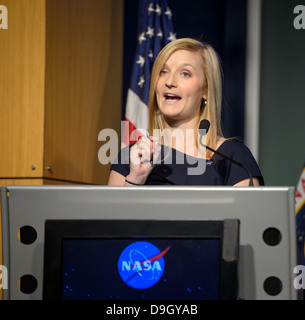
point(186, 87)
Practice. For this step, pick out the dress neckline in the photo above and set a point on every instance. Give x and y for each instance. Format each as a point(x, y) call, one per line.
point(187, 155)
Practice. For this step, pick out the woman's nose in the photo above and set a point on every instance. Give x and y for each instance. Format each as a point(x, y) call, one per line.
point(171, 81)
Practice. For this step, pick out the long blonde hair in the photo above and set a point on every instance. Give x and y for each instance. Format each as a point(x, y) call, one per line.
point(212, 71)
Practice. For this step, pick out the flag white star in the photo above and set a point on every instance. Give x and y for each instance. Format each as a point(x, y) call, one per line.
point(141, 61)
point(158, 10)
point(150, 9)
point(168, 13)
point(141, 37)
point(150, 32)
point(150, 55)
point(141, 82)
point(160, 34)
point(172, 36)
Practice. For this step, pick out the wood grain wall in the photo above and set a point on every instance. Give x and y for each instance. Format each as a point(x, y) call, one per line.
point(83, 85)
point(22, 74)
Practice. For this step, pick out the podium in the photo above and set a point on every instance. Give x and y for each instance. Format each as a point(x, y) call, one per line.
point(267, 251)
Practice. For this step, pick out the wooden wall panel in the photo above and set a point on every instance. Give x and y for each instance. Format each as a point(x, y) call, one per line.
point(83, 85)
point(22, 70)
point(58, 182)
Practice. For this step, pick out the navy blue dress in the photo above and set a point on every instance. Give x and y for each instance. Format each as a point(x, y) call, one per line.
point(176, 168)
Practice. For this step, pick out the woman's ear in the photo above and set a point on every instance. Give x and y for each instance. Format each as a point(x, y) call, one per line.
point(203, 103)
point(204, 97)
point(204, 100)
point(205, 93)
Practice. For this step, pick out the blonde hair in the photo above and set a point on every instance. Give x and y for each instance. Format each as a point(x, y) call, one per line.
point(212, 71)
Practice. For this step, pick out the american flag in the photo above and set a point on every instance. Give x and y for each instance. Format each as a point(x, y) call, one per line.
point(155, 30)
point(300, 214)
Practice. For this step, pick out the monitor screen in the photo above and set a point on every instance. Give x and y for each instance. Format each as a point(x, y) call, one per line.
point(140, 260)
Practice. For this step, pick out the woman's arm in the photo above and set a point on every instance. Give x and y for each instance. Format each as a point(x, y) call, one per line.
point(245, 183)
point(116, 179)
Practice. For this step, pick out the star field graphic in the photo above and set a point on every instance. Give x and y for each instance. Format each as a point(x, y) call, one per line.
point(184, 269)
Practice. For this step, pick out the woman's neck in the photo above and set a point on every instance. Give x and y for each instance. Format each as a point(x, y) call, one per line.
point(182, 136)
point(184, 124)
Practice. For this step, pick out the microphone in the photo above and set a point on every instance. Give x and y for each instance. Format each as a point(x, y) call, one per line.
point(205, 125)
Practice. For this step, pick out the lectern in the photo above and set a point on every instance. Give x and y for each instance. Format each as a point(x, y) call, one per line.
point(267, 237)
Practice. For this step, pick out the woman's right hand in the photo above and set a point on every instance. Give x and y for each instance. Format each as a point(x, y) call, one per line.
point(143, 155)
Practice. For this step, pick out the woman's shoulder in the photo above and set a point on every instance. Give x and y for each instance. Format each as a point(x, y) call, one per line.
point(123, 154)
point(237, 150)
point(240, 153)
point(121, 162)
point(231, 145)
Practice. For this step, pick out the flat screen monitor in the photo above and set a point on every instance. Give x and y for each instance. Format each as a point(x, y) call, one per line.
point(141, 260)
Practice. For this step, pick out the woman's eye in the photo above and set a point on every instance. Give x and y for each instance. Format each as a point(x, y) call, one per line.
point(186, 74)
point(163, 72)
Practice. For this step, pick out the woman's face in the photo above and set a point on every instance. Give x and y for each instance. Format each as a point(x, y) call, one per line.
point(180, 87)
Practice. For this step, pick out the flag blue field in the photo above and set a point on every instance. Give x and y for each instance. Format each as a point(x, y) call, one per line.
point(300, 214)
point(155, 30)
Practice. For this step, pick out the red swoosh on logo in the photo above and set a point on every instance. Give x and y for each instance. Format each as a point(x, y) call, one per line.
point(155, 258)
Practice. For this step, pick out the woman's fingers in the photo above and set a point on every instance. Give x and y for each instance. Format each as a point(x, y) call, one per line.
point(155, 150)
point(143, 151)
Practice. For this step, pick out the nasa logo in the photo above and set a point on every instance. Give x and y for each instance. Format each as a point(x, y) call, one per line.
point(141, 265)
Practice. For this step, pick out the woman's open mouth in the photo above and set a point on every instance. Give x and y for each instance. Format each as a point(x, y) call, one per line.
point(171, 97)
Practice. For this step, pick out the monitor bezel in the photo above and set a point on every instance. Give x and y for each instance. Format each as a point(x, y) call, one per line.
point(59, 229)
